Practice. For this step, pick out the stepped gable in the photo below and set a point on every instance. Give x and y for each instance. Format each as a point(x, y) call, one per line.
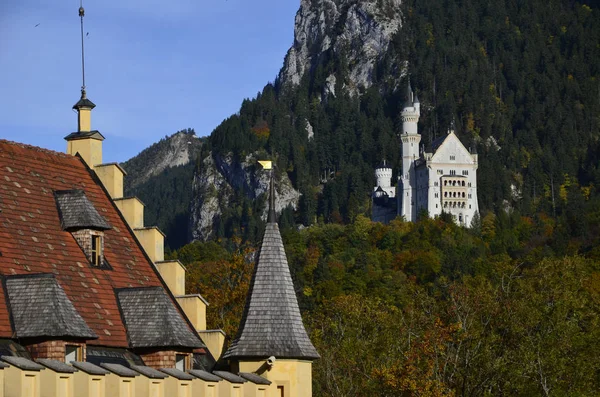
point(271, 323)
point(32, 240)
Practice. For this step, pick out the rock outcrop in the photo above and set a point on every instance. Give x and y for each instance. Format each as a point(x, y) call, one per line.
point(176, 150)
point(360, 29)
point(215, 183)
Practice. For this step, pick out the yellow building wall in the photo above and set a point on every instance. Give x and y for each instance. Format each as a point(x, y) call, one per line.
point(194, 308)
point(173, 273)
point(117, 386)
point(178, 388)
point(153, 241)
point(294, 375)
point(88, 148)
point(227, 389)
point(20, 383)
point(56, 384)
point(87, 385)
point(1, 382)
point(147, 387)
point(84, 120)
point(201, 388)
point(214, 341)
point(132, 210)
point(111, 176)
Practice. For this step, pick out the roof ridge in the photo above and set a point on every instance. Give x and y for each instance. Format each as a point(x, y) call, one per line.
point(35, 148)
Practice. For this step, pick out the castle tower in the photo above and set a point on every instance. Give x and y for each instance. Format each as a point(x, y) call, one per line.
point(411, 139)
point(383, 176)
point(271, 340)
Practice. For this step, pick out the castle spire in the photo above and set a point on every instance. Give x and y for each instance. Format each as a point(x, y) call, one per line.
point(271, 323)
point(85, 141)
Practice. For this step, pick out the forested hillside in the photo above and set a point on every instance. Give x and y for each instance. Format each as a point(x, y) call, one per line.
point(161, 176)
point(521, 79)
point(509, 307)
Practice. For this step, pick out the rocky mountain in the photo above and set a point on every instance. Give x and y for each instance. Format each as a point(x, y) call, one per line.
point(358, 30)
point(215, 183)
point(176, 150)
point(161, 176)
point(518, 80)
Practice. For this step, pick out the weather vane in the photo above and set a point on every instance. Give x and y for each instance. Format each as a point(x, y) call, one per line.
point(81, 15)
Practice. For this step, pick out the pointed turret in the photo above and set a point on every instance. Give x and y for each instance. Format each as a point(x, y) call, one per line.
point(271, 323)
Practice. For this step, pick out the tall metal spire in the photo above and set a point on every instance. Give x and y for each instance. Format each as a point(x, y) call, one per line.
point(272, 216)
point(81, 15)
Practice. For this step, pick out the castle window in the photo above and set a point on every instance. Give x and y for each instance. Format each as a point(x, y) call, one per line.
point(453, 183)
point(469, 195)
point(469, 206)
point(463, 183)
point(435, 184)
point(452, 172)
point(452, 158)
point(436, 195)
point(460, 218)
point(469, 184)
point(440, 172)
point(465, 172)
point(463, 195)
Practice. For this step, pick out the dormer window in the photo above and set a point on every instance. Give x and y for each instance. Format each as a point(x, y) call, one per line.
point(96, 250)
point(79, 217)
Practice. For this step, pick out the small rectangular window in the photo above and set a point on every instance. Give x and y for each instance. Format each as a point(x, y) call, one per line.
point(452, 157)
point(180, 362)
point(280, 391)
point(96, 250)
point(72, 353)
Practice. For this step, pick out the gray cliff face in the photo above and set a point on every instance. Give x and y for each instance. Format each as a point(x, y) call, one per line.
point(176, 150)
point(362, 29)
point(216, 181)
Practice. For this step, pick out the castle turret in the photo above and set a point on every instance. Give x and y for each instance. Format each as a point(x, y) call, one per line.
point(411, 139)
point(383, 176)
point(271, 340)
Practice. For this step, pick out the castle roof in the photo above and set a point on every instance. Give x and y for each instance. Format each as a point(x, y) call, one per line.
point(61, 282)
point(271, 324)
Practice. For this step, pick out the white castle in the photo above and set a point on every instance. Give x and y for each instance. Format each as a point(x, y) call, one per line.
point(442, 178)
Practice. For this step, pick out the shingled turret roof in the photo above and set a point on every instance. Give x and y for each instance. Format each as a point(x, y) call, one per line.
point(271, 324)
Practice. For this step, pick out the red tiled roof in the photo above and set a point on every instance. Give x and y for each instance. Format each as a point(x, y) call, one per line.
point(32, 240)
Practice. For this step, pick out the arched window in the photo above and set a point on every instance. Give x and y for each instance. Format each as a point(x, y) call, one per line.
point(463, 183)
point(463, 194)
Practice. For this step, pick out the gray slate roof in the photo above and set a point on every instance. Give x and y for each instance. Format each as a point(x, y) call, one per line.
point(120, 370)
point(176, 373)
point(89, 368)
point(22, 363)
point(40, 307)
point(56, 366)
point(148, 372)
point(152, 320)
point(77, 212)
point(230, 377)
point(271, 323)
point(254, 378)
point(205, 376)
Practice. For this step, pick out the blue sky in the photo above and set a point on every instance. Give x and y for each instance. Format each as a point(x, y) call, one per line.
point(153, 67)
